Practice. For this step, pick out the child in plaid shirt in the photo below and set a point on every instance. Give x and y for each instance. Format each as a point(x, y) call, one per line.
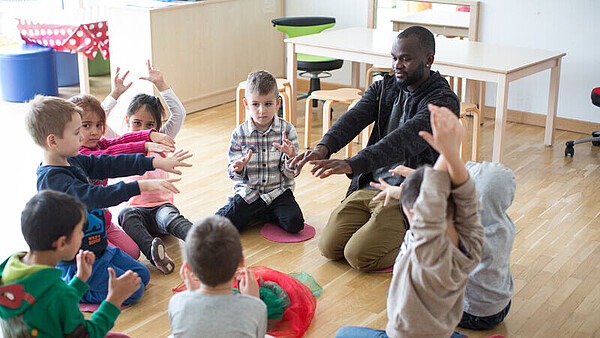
point(258, 152)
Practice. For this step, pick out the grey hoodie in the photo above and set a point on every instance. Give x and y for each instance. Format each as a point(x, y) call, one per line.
point(490, 285)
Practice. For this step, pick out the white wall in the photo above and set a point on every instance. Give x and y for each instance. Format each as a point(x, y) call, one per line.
point(347, 13)
point(567, 26)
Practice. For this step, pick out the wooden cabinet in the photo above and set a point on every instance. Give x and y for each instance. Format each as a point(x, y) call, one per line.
point(204, 49)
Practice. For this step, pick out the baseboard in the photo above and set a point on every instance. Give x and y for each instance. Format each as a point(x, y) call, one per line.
point(534, 119)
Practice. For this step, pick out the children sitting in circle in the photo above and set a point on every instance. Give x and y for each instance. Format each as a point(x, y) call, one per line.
point(432, 271)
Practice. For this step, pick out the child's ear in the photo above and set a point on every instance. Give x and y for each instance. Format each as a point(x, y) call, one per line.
point(60, 243)
point(51, 141)
point(245, 102)
point(278, 101)
point(242, 262)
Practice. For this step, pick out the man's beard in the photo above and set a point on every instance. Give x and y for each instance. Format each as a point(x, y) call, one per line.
point(412, 78)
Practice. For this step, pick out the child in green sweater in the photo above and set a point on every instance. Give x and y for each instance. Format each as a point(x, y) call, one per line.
point(34, 300)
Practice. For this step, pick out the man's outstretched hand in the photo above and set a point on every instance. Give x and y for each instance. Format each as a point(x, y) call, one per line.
point(326, 168)
point(319, 153)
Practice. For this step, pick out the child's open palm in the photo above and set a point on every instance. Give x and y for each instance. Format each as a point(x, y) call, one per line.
point(163, 185)
point(162, 139)
point(387, 190)
point(286, 146)
point(239, 165)
point(170, 163)
point(156, 77)
point(248, 284)
point(161, 149)
point(447, 132)
point(119, 84)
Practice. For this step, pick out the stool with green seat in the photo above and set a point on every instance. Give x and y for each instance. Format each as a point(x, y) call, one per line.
point(316, 66)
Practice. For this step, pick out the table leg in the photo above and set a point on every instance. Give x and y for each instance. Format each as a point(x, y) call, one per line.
point(552, 103)
point(292, 74)
point(355, 82)
point(84, 76)
point(500, 124)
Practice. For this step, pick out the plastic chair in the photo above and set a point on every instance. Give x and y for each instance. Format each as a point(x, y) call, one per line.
point(311, 66)
point(595, 139)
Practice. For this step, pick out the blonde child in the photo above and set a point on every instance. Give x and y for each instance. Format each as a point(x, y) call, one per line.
point(258, 154)
point(153, 213)
point(54, 125)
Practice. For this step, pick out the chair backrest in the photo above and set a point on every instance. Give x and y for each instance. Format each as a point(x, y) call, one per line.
point(305, 25)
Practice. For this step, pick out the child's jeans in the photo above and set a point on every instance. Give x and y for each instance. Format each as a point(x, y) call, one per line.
point(283, 211)
point(359, 332)
point(471, 322)
point(142, 223)
point(98, 281)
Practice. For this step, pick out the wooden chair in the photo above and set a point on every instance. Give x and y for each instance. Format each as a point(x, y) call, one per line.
point(472, 110)
point(285, 91)
point(341, 95)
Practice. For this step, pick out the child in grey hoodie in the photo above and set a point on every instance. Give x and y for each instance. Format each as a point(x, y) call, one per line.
point(490, 286)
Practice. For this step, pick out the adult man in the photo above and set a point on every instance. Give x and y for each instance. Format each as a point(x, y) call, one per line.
point(365, 232)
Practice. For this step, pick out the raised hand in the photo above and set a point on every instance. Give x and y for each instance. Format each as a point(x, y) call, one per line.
point(119, 84)
point(401, 170)
point(248, 284)
point(387, 190)
point(170, 163)
point(447, 131)
point(326, 168)
point(162, 139)
point(119, 289)
point(85, 260)
point(161, 149)
point(164, 185)
point(239, 165)
point(300, 160)
point(156, 77)
point(286, 146)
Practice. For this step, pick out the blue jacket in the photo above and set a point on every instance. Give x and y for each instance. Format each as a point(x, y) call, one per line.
point(74, 180)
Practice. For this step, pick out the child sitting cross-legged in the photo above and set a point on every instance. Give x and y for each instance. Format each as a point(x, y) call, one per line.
point(258, 152)
point(54, 124)
point(442, 247)
point(209, 308)
point(34, 301)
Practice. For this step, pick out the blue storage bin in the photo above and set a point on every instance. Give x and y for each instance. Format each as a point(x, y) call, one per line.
point(27, 70)
point(66, 69)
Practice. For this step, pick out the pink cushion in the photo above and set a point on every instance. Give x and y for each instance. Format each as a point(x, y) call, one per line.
point(274, 233)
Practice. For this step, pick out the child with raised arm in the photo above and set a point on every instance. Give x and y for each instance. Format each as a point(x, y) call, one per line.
point(209, 308)
point(153, 213)
point(54, 124)
point(442, 246)
point(93, 129)
point(34, 301)
point(258, 152)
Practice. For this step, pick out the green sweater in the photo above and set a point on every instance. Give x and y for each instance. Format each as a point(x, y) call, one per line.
point(47, 305)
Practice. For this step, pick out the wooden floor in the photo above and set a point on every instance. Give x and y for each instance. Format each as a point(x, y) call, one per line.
point(555, 260)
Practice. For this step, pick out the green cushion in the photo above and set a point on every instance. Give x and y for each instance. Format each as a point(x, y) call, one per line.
point(98, 66)
point(294, 31)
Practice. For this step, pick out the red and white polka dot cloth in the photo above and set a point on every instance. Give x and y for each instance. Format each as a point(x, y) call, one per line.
point(86, 38)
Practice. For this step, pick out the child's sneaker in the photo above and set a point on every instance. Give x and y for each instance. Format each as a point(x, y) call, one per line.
point(160, 258)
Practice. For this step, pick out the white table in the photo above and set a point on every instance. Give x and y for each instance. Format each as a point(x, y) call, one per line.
point(466, 59)
point(444, 23)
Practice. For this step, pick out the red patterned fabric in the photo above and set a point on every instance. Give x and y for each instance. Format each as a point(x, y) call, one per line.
point(88, 38)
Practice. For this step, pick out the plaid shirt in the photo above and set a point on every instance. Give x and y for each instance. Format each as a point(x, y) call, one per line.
point(266, 175)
